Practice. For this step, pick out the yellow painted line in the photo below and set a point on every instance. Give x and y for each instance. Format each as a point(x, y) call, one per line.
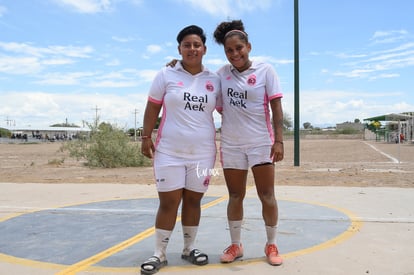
point(82, 265)
point(79, 266)
point(30, 263)
point(34, 263)
point(354, 227)
point(11, 216)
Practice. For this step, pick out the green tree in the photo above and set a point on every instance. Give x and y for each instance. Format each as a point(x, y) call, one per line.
point(307, 125)
point(374, 126)
point(287, 121)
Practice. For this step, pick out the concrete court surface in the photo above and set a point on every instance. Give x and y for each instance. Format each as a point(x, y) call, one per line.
point(378, 238)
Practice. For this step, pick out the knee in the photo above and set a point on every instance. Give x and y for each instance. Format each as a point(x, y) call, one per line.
point(236, 197)
point(169, 205)
point(192, 200)
point(268, 198)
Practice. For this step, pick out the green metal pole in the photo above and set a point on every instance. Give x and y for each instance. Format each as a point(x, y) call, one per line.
point(296, 76)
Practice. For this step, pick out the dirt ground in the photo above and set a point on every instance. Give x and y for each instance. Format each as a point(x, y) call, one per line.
point(322, 162)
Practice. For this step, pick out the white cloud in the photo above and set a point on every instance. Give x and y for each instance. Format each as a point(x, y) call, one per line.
point(43, 109)
point(3, 10)
point(147, 75)
point(328, 107)
point(20, 65)
point(382, 37)
point(384, 76)
point(372, 65)
point(87, 6)
point(122, 39)
point(345, 55)
point(232, 8)
point(27, 49)
point(113, 62)
point(72, 51)
point(64, 78)
point(58, 61)
point(153, 49)
point(113, 84)
point(24, 58)
point(272, 60)
point(356, 73)
point(380, 34)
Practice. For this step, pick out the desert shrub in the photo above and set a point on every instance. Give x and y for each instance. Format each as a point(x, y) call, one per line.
point(348, 131)
point(56, 161)
point(108, 147)
point(4, 132)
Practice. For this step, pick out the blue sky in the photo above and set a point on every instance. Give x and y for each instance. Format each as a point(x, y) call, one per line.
point(61, 59)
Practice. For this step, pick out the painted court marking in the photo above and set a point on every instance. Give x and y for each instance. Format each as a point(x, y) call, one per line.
point(346, 225)
point(394, 160)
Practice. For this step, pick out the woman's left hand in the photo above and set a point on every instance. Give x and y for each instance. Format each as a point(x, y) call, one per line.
point(277, 151)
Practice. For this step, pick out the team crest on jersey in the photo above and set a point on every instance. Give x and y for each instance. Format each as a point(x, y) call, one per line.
point(209, 86)
point(251, 81)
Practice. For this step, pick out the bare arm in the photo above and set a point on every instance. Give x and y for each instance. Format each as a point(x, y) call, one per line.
point(152, 111)
point(277, 149)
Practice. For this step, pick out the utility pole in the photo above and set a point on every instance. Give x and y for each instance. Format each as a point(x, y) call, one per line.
point(8, 121)
point(135, 124)
point(296, 88)
point(96, 116)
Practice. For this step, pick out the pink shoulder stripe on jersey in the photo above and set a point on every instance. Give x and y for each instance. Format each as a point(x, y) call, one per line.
point(156, 101)
point(267, 116)
point(278, 95)
point(161, 126)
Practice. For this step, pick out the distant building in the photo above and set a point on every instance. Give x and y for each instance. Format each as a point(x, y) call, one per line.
point(46, 133)
point(350, 125)
point(398, 127)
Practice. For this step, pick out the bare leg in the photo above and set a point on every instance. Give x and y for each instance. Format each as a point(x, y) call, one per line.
point(264, 180)
point(167, 211)
point(236, 186)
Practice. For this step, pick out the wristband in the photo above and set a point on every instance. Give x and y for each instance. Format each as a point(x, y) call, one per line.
point(278, 141)
point(145, 137)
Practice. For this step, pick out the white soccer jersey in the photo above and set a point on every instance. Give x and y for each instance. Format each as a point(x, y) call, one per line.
point(187, 127)
point(246, 118)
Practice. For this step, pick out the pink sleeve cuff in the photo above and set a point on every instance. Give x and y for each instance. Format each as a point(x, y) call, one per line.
point(153, 100)
point(279, 95)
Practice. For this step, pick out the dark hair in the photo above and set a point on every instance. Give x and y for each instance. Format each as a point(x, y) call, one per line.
point(193, 29)
point(227, 29)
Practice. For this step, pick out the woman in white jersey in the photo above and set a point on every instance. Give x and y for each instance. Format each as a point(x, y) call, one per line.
point(251, 136)
point(184, 146)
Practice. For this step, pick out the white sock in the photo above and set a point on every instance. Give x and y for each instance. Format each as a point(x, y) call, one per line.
point(271, 234)
point(189, 235)
point(235, 231)
point(162, 237)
